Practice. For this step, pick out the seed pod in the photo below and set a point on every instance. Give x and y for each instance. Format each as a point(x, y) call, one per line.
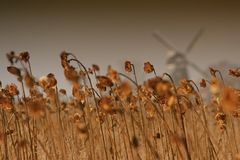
point(14, 70)
point(148, 67)
point(128, 66)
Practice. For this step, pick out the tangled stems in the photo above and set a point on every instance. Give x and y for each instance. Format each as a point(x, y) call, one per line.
point(95, 100)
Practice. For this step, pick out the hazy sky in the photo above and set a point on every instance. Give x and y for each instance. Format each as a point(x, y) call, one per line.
point(112, 32)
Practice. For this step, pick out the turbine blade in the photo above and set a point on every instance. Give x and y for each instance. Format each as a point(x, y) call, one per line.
point(163, 42)
point(194, 40)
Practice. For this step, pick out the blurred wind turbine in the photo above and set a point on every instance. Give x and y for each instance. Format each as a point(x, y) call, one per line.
point(177, 61)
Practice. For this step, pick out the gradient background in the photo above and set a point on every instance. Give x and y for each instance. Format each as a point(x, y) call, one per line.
point(112, 32)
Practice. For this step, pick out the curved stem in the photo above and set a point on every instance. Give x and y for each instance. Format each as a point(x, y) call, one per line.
point(125, 76)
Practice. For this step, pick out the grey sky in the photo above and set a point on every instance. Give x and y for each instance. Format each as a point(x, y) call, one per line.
point(110, 33)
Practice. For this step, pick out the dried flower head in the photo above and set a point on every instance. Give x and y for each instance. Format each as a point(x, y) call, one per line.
point(104, 81)
point(128, 66)
point(95, 67)
point(185, 87)
point(48, 81)
point(229, 99)
point(12, 89)
point(215, 85)
point(106, 103)
point(203, 83)
point(24, 56)
point(163, 87)
point(151, 83)
point(112, 74)
point(148, 67)
point(64, 59)
point(71, 74)
point(78, 93)
point(234, 72)
point(123, 91)
point(29, 80)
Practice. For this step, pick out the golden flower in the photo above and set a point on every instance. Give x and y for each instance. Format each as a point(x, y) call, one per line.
point(152, 83)
point(171, 100)
point(163, 87)
point(29, 81)
point(77, 92)
point(185, 87)
point(123, 91)
point(64, 59)
point(43, 82)
point(34, 93)
point(215, 85)
point(185, 104)
point(12, 89)
point(48, 81)
point(128, 66)
point(71, 74)
point(229, 99)
point(104, 81)
point(148, 67)
point(112, 74)
point(106, 103)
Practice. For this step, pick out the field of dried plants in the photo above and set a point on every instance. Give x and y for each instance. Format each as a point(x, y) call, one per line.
point(119, 118)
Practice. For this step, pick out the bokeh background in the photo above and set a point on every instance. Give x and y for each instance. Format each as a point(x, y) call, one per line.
point(110, 32)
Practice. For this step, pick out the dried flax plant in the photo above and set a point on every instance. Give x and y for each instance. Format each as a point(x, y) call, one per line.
point(118, 118)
